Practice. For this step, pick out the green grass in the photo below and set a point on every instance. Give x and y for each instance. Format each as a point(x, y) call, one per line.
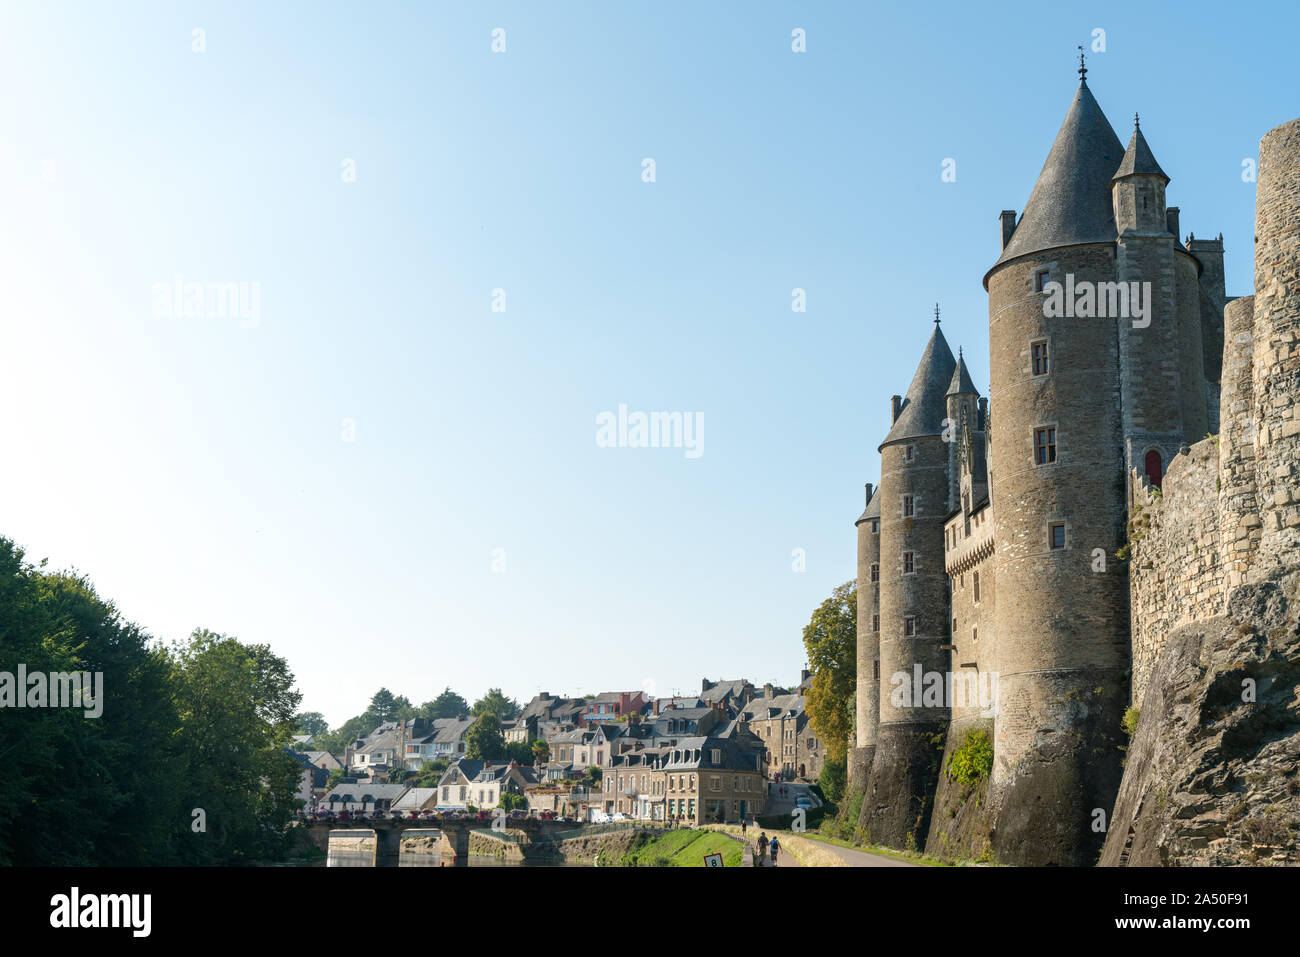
point(685, 848)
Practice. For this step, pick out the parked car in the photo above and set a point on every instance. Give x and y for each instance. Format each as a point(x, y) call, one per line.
point(620, 816)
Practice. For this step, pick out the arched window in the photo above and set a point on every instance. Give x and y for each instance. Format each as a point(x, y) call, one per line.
point(1154, 467)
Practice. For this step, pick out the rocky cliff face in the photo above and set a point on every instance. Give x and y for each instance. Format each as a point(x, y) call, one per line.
point(1213, 769)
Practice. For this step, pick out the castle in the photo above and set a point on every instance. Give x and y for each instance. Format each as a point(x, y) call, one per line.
point(996, 592)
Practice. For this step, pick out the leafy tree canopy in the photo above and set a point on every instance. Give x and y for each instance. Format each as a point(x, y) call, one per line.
point(494, 702)
point(830, 639)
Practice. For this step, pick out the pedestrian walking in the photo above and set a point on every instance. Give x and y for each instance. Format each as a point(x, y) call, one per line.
point(775, 847)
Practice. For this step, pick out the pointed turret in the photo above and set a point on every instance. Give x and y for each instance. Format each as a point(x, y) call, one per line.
point(1071, 204)
point(924, 407)
point(1138, 159)
point(961, 383)
point(1138, 191)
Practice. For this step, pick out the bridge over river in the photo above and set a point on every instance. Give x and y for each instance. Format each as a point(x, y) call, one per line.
point(525, 837)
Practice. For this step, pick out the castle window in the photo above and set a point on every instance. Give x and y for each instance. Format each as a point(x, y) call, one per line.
point(909, 453)
point(974, 634)
point(977, 587)
point(1041, 279)
point(1044, 445)
point(875, 669)
point(909, 563)
point(1056, 535)
point(875, 623)
point(1038, 350)
point(875, 526)
point(875, 573)
point(909, 627)
point(1154, 467)
point(954, 626)
point(909, 506)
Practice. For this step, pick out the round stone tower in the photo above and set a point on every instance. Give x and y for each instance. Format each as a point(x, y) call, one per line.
point(914, 627)
point(868, 650)
point(1058, 481)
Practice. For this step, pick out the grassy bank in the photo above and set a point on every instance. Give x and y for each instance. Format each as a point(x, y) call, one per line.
point(684, 848)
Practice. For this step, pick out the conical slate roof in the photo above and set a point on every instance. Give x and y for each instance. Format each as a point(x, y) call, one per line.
point(1071, 201)
point(925, 406)
point(961, 383)
point(873, 506)
point(1138, 159)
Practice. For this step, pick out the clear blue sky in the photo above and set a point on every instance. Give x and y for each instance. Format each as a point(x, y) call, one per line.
point(194, 468)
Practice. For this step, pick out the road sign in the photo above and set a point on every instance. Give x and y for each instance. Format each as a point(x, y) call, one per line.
point(712, 860)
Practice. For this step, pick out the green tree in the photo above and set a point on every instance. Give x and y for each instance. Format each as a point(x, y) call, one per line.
point(830, 639)
point(513, 802)
point(446, 705)
point(484, 740)
point(383, 706)
point(521, 751)
point(237, 707)
point(429, 774)
point(311, 722)
point(494, 702)
point(79, 790)
point(403, 710)
point(541, 752)
point(833, 778)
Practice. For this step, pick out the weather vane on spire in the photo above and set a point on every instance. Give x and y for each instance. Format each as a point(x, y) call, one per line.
point(1135, 122)
point(1083, 65)
point(936, 313)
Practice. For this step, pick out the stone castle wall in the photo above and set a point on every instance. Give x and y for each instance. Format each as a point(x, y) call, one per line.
point(1230, 508)
point(1176, 571)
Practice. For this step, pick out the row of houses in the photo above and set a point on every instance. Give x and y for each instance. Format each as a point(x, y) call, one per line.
point(723, 745)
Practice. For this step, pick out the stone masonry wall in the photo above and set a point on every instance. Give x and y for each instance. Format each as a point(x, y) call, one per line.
point(1176, 572)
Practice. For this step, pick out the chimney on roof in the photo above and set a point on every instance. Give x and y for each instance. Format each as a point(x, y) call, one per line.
point(1171, 220)
point(868, 493)
point(1008, 219)
point(895, 407)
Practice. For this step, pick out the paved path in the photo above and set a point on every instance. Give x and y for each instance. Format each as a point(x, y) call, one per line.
point(860, 858)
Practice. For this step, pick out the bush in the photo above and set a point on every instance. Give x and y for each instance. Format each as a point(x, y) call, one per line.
point(972, 760)
point(1130, 721)
point(833, 778)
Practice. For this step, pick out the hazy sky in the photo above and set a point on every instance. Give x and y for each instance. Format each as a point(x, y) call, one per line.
point(332, 473)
